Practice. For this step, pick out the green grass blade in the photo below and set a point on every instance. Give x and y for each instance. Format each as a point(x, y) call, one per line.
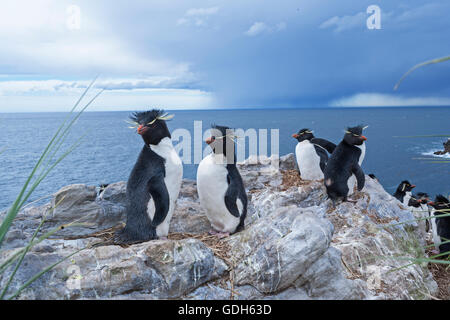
point(15, 208)
point(39, 274)
point(45, 236)
point(420, 65)
point(425, 136)
point(59, 142)
point(26, 249)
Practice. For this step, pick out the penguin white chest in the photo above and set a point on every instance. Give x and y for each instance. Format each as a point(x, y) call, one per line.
point(212, 186)
point(351, 183)
point(308, 161)
point(172, 180)
point(436, 237)
point(406, 198)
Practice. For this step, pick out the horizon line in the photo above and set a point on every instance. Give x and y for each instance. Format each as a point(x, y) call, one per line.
point(237, 108)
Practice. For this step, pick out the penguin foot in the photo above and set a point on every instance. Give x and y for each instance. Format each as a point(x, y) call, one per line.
point(219, 234)
point(222, 235)
point(351, 200)
point(125, 237)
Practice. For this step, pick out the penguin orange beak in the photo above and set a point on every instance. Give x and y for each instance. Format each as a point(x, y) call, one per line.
point(413, 186)
point(431, 203)
point(363, 138)
point(141, 129)
point(209, 140)
point(295, 136)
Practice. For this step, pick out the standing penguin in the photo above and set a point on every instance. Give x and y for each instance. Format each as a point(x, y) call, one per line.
point(219, 184)
point(419, 208)
point(403, 192)
point(352, 181)
point(311, 154)
point(441, 225)
point(154, 182)
point(343, 163)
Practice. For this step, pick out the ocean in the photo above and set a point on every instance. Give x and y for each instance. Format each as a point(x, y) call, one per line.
point(109, 149)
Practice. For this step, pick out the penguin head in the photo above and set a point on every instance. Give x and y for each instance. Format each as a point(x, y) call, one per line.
point(353, 136)
point(302, 135)
point(414, 202)
point(151, 125)
point(440, 203)
point(405, 186)
point(422, 197)
point(418, 199)
point(221, 140)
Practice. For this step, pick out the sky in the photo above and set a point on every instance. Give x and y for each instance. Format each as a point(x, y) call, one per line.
point(187, 54)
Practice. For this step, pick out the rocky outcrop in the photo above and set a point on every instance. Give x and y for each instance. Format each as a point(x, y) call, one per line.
point(296, 245)
point(446, 148)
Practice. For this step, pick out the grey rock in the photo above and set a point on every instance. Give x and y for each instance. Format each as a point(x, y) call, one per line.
point(296, 245)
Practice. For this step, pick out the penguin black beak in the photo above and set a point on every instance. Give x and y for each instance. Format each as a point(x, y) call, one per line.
point(363, 138)
point(295, 136)
point(209, 140)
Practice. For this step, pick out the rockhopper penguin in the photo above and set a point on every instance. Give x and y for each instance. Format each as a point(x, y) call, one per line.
point(154, 182)
point(403, 192)
point(219, 184)
point(419, 208)
point(311, 154)
point(440, 225)
point(343, 163)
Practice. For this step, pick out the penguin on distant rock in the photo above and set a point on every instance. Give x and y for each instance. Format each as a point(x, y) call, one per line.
point(154, 182)
point(440, 225)
point(343, 163)
point(403, 192)
point(311, 154)
point(219, 184)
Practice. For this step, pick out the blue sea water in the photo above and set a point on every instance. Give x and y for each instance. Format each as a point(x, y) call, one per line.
point(110, 148)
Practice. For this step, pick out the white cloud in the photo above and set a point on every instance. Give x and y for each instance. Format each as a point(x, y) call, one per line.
point(388, 100)
point(36, 40)
point(64, 87)
point(258, 28)
point(202, 11)
point(109, 100)
point(340, 24)
point(197, 16)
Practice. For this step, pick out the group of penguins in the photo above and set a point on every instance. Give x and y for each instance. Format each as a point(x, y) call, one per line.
point(155, 180)
point(430, 215)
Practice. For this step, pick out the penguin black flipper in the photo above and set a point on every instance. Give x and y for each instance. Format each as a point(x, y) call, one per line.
point(322, 155)
point(234, 192)
point(360, 177)
point(231, 195)
point(328, 145)
point(139, 226)
point(158, 191)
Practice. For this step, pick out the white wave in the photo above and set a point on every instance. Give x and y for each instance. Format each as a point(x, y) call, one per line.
point(431, 153)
